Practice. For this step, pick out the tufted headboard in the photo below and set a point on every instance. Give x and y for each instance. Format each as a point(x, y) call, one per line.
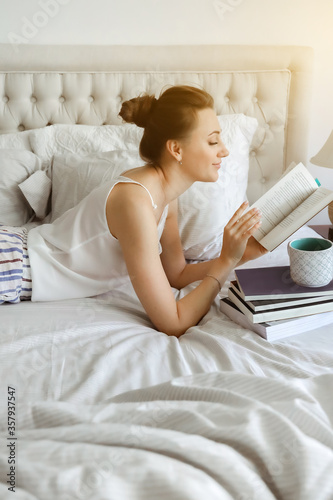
point(44, 85)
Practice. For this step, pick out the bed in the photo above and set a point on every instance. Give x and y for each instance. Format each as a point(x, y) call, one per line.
point(106, 407)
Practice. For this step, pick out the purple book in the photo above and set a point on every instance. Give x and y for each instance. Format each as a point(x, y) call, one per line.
point(274, 283)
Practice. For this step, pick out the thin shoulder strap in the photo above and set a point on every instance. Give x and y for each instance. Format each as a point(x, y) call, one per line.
point(144, 187)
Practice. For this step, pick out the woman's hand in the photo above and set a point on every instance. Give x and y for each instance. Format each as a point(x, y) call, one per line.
point(253, 250)
point(237, 234)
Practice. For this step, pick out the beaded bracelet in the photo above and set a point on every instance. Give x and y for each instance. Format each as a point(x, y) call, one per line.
point(218, 281)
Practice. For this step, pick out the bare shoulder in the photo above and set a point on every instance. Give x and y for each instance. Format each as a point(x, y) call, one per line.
point(124, 193)
point(127, 205)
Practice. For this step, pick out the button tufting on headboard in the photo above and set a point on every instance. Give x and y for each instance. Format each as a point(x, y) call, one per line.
point(241, 79)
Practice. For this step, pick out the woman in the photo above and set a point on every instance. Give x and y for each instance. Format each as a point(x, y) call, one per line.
point(121, 227)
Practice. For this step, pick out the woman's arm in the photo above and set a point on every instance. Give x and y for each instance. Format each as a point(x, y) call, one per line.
point(179, 273)
point(177, 270)
point(132, 221)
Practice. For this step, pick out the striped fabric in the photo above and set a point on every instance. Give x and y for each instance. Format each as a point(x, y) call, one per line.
point(15, 276)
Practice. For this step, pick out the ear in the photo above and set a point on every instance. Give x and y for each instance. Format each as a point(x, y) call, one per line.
point(174, 148)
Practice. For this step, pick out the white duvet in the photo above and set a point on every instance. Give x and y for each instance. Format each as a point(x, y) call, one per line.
point(211, 436)
point(235, 417)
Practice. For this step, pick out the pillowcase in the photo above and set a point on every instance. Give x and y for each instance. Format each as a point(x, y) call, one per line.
point(74, 176)
point(83, 139)
point(15, 167)
point(204, 208)
point(36, 190)
point(19, 140)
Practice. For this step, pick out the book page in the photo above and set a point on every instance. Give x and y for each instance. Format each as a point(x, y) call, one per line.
point(280, 201)
point(304, 212)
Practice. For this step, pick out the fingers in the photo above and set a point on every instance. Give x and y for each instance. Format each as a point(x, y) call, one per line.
point(246, 221)
point(253, 228)
point(237, 215)
point(238, 231)
point(250, 221)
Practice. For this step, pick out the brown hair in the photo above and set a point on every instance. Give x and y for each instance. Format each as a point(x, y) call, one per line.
point(172, 116)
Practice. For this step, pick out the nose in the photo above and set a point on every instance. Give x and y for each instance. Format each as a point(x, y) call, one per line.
point(223, 152)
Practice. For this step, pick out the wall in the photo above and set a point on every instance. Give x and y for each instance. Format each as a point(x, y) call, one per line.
point(281, 22)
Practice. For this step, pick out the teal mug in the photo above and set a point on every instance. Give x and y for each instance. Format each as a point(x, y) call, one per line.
point(311, 261)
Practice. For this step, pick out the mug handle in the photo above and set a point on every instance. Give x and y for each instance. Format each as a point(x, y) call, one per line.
point(288, 248)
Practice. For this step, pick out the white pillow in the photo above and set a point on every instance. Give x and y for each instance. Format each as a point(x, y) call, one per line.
point(15, 167)
point(203, 210)
point(19, 140)
point(83, 139)
point(74, 176)
point(36, 190)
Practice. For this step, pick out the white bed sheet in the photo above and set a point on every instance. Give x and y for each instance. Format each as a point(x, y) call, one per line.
point(88, 350)
point(234, 416)
point(217, 436)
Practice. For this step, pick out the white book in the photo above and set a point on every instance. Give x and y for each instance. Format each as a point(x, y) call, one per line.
point(288, 205)
point(276, 330)
point(269, 304)
point(281, 313)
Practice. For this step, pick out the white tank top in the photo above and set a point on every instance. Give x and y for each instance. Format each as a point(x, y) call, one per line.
point(77, 256)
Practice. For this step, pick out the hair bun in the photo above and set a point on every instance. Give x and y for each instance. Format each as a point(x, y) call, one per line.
point(138, 110)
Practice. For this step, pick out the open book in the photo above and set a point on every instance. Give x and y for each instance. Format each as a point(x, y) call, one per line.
point(288, 205)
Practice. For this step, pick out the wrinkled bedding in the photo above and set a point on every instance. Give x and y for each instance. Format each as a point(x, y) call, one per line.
point(220, 435)
point(109, 408)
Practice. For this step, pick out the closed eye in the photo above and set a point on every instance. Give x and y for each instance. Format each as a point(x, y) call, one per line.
point(213, 143)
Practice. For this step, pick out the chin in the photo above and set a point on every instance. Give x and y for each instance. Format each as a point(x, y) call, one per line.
point(215, 176)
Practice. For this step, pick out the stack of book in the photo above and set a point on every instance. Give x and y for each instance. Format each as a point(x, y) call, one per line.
point(267, 301)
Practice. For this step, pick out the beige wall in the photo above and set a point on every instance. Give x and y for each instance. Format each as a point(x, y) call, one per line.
point(282, 22)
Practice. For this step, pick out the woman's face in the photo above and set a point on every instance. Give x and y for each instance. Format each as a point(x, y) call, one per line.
point(203, 151)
